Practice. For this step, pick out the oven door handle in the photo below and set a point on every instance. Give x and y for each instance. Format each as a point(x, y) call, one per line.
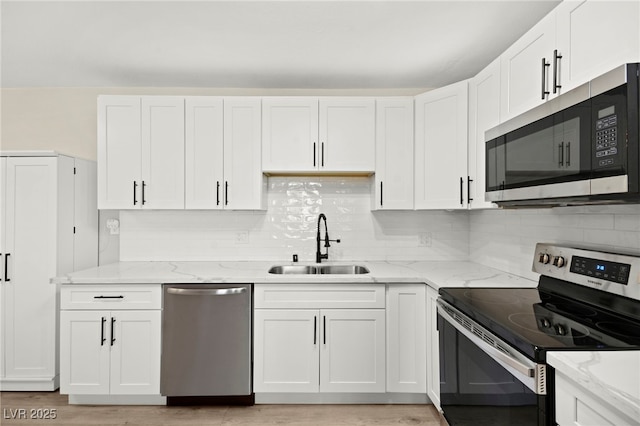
point(505, 359)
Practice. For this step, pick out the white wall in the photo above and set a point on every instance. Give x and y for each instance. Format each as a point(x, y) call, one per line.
point(289, 226)
point(505, 239)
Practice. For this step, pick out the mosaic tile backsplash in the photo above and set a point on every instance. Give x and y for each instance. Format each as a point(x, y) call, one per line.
point(503, 239)
point(289, 226)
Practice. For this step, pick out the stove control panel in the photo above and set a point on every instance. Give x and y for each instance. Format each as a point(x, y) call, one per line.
point(615, 273)
point(610, 271)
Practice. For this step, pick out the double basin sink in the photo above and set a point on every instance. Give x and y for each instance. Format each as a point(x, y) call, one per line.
point(319, 269)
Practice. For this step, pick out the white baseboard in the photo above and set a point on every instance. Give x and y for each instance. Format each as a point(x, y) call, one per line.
point(341, 398)
point(118, 399)
point(34, 384)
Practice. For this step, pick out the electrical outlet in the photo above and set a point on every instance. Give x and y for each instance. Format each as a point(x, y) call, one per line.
point(424, 239)
point(242, 237)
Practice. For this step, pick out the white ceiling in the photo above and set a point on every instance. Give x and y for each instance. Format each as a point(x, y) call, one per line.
point(256, 44)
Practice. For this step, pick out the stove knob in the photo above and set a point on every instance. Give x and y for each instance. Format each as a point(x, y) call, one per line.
point(559, 261)
point(560, 330)
point(545, 323)
point(544, 258)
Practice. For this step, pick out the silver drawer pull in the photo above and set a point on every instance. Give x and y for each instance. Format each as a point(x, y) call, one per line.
point(206, 292)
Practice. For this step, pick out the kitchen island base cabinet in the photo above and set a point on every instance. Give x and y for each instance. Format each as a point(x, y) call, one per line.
point(107, 347)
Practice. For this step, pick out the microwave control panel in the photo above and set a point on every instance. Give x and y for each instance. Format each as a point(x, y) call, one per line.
point(606, 141)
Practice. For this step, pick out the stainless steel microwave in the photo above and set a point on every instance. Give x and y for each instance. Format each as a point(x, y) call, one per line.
point(578, 148)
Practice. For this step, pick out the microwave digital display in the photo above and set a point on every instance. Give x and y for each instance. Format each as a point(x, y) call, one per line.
point(605, 112)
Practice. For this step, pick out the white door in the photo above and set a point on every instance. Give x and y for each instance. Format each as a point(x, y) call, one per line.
point(162, 152)
point(524, 78)
point(119, 152)
point(289, 134)
point(347, 134)
point(406, 338)
point(84, 352)
point(243, 179)
point(484, 113)
point(594, 37)
point(135, 340)
point(286, 354)
point(204, 162)
point(352, 354)
point(3, 251)
point(433, 343)
point(28, 299)
point(441, 148)
point(394, 154)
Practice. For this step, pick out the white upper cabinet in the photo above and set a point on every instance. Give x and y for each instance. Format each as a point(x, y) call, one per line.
point(140, 152)
point(301, 134)
point(577, 41)
point(595, 37)
point(162, 152)
point(223, 155)
point(119, 151)
point(484, 113)
point(245, 185)
point(441, 148)
point(527, 69)
point(347, 135)
point(393, 189)
point(204, 145)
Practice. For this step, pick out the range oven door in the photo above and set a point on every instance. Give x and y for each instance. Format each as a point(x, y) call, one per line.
point(483, 380)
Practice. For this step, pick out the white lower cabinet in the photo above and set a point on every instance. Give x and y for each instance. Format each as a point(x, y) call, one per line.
point(108, 347)
point(326, 349)
point(433, 343)
point(576, 406)
point(406, 338)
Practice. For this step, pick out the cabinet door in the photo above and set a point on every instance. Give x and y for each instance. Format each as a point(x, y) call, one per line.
point(84, 352)
point(441, 148)
point(406, 338)
point(289, 134)
point(523, 77)
point(135, 352)
point(433, 355)
point(347, 134)
point(28, 336)
point(204, 178)
point(352, 355)
point(594, 37)
point(394, 154)
point(119, 152)
point(244, 183)
point(484, 113)
point(286, 354)
point(162, 152)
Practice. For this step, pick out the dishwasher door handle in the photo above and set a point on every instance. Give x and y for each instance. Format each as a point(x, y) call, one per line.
point(206, 291)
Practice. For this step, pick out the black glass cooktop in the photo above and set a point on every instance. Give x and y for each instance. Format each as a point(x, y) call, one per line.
point(536, 320)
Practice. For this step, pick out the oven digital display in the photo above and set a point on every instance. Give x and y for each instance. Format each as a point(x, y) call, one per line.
point(601, 269)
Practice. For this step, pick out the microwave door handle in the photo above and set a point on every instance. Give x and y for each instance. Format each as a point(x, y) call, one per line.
point(568, 163)
point(561, 154)
point(545, 92)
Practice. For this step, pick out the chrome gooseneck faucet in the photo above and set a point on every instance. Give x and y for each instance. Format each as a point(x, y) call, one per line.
point(320, 256)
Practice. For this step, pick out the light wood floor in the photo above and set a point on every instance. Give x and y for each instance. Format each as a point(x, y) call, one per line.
point(258, 415)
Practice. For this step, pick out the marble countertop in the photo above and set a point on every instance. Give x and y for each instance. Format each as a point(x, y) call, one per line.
point(612, 376)
point(435, 273)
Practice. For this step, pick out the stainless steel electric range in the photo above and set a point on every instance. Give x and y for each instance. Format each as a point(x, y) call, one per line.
point(493, 341)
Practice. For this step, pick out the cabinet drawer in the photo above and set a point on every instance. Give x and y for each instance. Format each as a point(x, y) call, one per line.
point(319, 296)
point(111, 297)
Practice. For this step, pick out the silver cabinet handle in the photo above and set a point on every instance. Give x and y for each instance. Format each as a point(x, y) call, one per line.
point(206, 291)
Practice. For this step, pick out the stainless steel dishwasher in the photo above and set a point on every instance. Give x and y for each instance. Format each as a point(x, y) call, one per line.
point(206, 340)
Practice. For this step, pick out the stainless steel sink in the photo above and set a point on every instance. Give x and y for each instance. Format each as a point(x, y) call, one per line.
point(343, 269)
point(293, 269)
point(320, 269)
